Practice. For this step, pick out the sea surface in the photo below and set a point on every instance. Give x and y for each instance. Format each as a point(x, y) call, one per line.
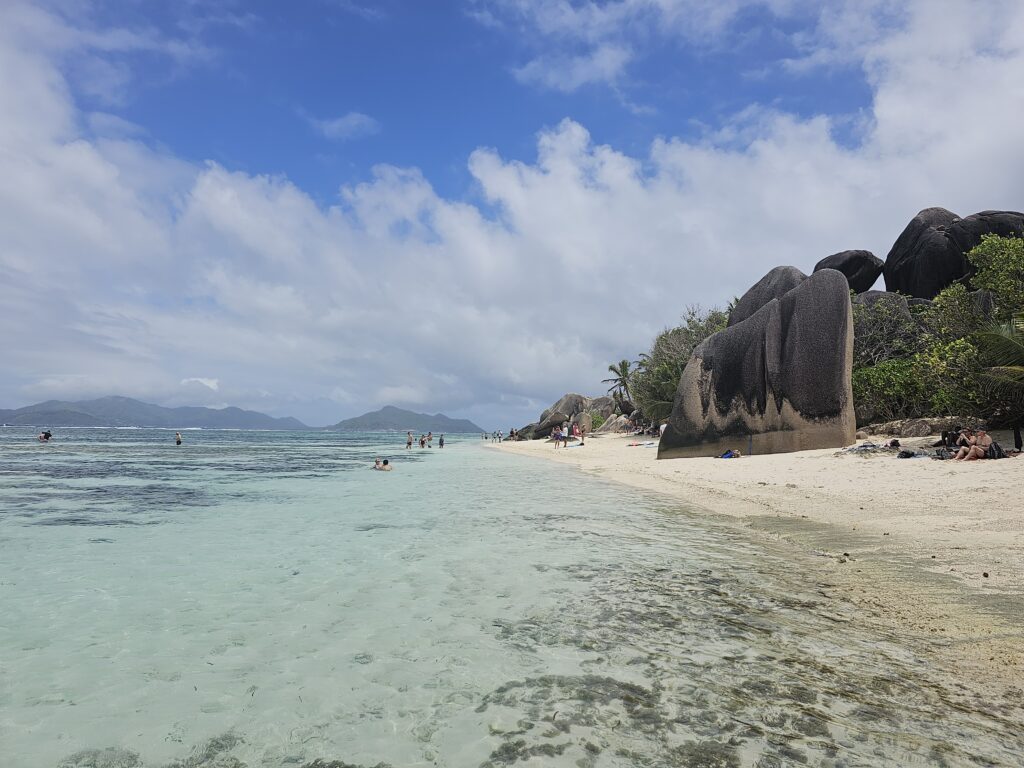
point(265, 599)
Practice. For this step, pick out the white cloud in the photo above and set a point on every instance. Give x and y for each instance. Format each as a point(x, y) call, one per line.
point(603, 64)
point(213, 384)
point(351, 126)
point(125, 268)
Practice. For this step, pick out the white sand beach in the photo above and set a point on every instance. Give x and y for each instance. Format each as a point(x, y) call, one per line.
point(907, 541)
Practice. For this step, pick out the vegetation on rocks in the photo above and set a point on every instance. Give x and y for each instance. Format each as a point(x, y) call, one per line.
point(954, 356)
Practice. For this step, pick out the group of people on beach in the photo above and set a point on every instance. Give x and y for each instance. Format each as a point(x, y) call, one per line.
point(426, 441)
point(562, 434)
point(973, 444)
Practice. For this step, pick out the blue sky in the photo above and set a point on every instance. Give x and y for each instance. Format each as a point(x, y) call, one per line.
point(318, 208)
point(435, 83)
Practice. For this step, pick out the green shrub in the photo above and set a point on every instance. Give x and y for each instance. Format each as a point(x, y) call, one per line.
point(889, 390)
point(597, 419)
point(999, 262)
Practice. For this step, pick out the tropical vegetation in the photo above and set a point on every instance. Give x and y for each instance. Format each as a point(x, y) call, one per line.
point(962, 354)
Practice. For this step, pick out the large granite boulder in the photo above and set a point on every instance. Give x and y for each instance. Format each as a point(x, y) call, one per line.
point(861, 268)
point(930, 254)
point(585, 420)
point(778, 381)
point(966, 233)
point(612, 425)
point(545, 427)
point(569, 404)
point(923, 260)
point(604, 405)
point(777, 283)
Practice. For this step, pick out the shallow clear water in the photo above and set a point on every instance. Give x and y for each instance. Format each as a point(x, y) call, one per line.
point(264, 599)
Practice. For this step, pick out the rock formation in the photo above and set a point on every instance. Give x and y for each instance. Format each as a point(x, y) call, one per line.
point(572, 408)
point(967, 232)
point(929, 254)
point(777, 381)
point(774, 285)
point(861, 268)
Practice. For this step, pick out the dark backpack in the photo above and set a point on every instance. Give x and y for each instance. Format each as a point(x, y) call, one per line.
point(995, 451)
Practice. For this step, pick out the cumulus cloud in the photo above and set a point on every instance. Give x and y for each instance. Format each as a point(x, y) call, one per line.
point(126, 269)
point(351, 126)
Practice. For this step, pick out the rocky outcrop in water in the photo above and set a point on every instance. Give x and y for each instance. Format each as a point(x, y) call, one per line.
point(777, 283)
point(777, 381)
point(862, 268)
point(930, 253)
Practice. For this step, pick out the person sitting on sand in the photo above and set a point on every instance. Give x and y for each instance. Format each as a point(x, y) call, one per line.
point(965, 442)
point(982, 443)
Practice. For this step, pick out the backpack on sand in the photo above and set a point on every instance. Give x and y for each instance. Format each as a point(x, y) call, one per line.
point(995, 451)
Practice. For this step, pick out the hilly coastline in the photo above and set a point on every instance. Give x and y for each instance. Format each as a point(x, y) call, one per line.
point(126, 412)
point(390, 418)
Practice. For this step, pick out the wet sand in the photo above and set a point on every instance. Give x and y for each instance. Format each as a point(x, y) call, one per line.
point(908, 542)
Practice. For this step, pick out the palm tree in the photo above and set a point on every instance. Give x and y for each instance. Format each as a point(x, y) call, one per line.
point(620, 381)
point(1002, 348)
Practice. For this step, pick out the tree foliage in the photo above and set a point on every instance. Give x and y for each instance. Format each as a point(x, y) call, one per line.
point(949, 358)
point(883, 330)
point(999, 265)
point(621, 378)
point(658, 371)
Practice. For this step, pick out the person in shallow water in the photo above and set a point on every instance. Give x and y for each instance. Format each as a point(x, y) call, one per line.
point(385, 467)
point(408, 440)
point(377, 464)
point(177, 438)
point(45, 435)
point(440, 442)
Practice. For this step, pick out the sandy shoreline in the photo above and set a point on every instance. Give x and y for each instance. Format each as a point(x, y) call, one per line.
point(905, 541)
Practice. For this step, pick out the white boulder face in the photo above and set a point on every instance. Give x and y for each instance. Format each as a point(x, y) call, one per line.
point(777, 381)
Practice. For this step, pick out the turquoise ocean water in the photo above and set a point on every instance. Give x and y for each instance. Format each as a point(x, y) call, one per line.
point(264, 599)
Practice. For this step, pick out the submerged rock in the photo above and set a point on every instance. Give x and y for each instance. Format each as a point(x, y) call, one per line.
point(862, 268)
point(777, 283)
point(111, 757)
point(778, 381)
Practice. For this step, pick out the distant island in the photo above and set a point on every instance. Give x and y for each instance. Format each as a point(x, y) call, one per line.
point(126, 412)
point(391, 418)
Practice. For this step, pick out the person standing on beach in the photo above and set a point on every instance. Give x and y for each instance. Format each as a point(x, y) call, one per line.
point(408, 440)
point(177, 438)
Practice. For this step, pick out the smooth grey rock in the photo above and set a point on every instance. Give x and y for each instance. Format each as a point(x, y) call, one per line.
point(778, 381)
point(778, 282)
point(554, 419)
point(604, 405)
point(585, 420)
point(967, 232)
point(930, 253)
point(923, 260)
point(862, 268)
